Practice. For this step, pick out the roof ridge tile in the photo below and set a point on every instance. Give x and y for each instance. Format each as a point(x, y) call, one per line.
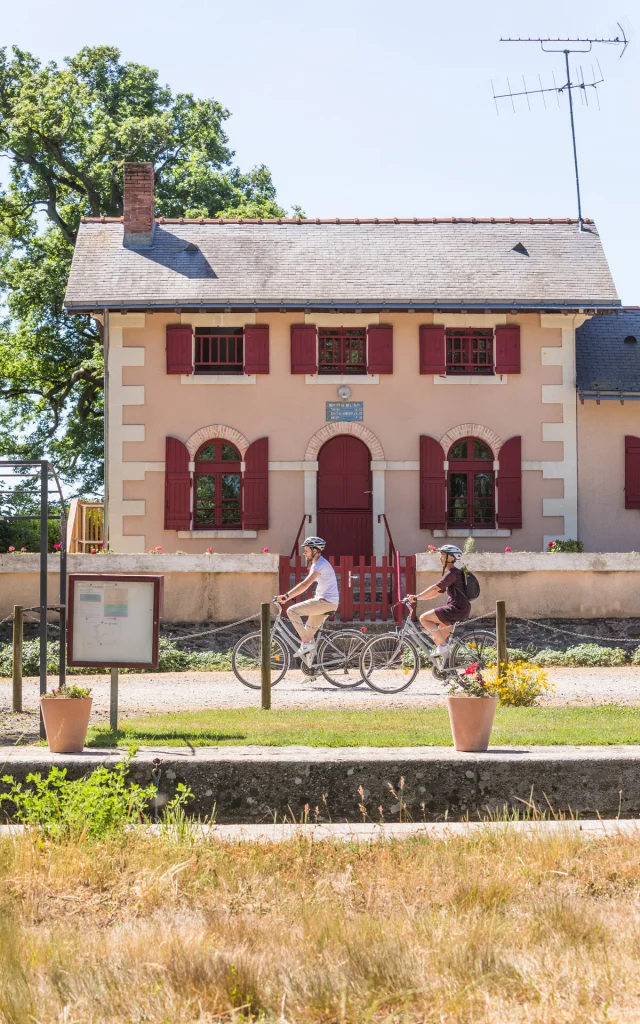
point(344, 220)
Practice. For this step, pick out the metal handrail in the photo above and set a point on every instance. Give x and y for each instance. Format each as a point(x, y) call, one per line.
point(294, 549)
point(392, 548)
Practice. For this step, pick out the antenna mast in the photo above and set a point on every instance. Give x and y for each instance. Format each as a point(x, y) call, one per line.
point(557, 45)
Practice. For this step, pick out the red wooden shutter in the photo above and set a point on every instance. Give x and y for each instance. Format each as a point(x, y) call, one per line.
point(510, 484)
point(508, 349)
point(304, 350)
point(177, 486)
point(432, 485)
point(179, 348)
point(432, 349)
point(256, 348)
point(380, 348)
point(631, 472)
point(255, 486)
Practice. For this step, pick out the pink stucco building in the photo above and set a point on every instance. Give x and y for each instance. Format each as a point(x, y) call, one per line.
point(410, 375)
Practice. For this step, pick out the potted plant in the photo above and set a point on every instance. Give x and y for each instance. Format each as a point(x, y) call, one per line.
point(472, 711)
point(66, 712)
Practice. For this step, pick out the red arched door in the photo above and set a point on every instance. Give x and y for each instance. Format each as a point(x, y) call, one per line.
point(344, 497)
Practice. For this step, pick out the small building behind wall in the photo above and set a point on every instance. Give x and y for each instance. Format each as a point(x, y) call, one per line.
point(346, 371)
point(608, 381)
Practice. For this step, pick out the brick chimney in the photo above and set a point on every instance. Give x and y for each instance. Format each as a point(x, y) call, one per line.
point(139, 222)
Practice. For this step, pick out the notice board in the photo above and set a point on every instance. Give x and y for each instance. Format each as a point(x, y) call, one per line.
point(114, 620)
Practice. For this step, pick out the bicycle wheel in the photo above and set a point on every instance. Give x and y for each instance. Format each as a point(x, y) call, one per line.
point(246, 660)
point(339, 656)
point(389, 663)
point(476, 647)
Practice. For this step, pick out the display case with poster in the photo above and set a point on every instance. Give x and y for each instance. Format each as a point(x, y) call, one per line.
point(114, 620)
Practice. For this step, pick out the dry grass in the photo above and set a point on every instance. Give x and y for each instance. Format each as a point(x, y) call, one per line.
point(502, 929)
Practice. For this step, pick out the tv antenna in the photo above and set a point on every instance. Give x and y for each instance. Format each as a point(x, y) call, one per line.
point(565, 46)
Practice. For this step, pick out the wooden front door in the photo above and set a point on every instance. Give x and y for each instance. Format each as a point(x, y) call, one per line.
point(345, 517)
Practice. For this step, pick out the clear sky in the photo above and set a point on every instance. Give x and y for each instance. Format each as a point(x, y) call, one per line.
point(372, 108)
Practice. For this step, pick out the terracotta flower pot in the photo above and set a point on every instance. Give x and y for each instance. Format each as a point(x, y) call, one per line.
point(66, 720)
point(471, 721)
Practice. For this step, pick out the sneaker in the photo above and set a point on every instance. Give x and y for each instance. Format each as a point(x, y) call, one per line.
point(304, 649)
point(309, 655)
point(442, 650)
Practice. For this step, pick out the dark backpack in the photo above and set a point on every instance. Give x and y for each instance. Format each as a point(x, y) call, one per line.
point(471, 584)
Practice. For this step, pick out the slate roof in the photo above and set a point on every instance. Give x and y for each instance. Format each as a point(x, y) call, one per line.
point(366, 264)
point(603, 361)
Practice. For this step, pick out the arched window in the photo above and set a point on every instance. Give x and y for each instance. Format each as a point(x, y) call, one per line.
point(217, 502)
point(471, 484)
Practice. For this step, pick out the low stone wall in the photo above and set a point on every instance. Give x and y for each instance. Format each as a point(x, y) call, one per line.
point(538, 586)
point(221, 588)
point(197, 588)
point(258, 784)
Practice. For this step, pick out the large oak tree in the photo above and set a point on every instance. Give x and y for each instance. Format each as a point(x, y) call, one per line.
point(65, 132)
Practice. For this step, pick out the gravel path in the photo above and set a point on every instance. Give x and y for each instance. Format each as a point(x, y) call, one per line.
point(194, 691)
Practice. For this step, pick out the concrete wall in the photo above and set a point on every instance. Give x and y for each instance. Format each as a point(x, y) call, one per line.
point(538, 585)
point(200, 588)
point(145, 405)
point(604, 522)
point(203, 588)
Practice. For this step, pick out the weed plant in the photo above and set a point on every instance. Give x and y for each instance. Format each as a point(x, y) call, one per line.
point(92, 808)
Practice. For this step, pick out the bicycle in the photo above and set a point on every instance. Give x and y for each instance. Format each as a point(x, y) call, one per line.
point(337, 655)
point(391, 661)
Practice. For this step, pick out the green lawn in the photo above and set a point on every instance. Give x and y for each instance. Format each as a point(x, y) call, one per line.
point(588, 726)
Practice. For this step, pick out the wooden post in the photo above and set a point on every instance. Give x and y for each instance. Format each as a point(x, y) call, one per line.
point(265, 647)
point(113, 702)
point(501, 633)
point(18, 633)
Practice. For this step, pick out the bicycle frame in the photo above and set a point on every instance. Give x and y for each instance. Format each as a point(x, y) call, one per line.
point(290, 638)
point(421, 639)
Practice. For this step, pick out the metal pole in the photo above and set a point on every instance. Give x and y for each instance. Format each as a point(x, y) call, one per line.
point(573, 136)
point(105, 506)
point(17, 657)
point(265, 649)
point(44, 548)
point(63, 595)
point(501, 632)
point(113, 702)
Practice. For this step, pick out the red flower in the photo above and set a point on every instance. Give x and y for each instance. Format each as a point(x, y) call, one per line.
point(56, 547)
point(11, 547)
point(431, 548)
point(209, 551)
point(550, 544)
point(471, 669)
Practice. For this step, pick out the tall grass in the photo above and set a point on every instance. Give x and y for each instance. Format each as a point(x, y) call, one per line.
point(490, 928)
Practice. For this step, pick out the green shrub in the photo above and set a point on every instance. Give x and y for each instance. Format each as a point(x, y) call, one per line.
point(635, 657)
point(490, 655)
point(583, 654)
point(172, 658)
point(94, 807)
point(571, 547)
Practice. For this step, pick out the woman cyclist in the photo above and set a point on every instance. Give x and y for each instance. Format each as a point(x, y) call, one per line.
point(440, 621)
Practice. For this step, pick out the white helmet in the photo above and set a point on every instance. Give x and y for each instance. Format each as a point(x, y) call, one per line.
point(452, 550)
point(314, 542)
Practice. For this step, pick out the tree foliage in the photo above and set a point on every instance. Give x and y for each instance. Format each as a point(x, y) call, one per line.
point(65, 132)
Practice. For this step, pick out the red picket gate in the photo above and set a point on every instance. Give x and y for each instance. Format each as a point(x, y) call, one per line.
point(368, 586)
